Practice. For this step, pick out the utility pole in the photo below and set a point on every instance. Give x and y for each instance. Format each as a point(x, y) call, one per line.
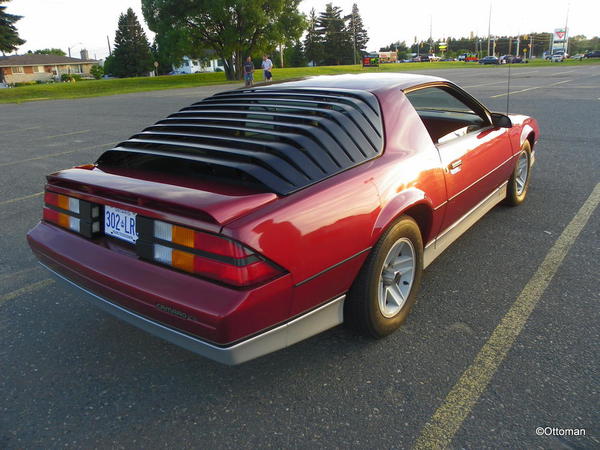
point(108, 41)
point(531, 46)
point(489, 29)
point(430, 32)
point(354, 34)
point(566, 31)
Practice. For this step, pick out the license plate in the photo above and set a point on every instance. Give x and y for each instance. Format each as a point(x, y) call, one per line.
point(120, 224)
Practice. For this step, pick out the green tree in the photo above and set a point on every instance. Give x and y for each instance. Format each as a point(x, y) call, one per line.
point(49, 51)
point(96, 71)
point(169, 47)
point(358, 32)
point(233, 29)
point(295, 56)
point(9, 37)
point(337, 41)
point(131, 54)
point(313, 42)
point(399, 47)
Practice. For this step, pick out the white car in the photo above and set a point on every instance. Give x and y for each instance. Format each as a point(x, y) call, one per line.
point(558, 57)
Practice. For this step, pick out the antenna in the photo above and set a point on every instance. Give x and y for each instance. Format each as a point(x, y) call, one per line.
point(508, 89)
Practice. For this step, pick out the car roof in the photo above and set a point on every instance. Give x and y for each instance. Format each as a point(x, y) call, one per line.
point(371, 82)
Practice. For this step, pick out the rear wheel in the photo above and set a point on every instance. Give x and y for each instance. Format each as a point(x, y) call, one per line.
point(519, 180)
point(386, 288)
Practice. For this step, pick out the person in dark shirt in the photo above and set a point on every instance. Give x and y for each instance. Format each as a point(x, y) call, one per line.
point(248, 71)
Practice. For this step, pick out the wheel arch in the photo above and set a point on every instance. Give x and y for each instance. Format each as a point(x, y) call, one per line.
point(413, 203)
point(527, 134)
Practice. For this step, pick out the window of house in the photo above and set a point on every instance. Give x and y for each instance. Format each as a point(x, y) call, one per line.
point(38, 69)
point(17, 69)
point(76, 69)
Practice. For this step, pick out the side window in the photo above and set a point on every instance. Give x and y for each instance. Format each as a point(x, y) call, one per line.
point(445, 115)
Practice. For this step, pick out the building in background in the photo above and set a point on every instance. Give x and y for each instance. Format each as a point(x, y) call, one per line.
point(32, 67)
point(190, 65)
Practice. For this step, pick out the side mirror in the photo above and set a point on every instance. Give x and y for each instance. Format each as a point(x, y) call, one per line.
point(501, 120)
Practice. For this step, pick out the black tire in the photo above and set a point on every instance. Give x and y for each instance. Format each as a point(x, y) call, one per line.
point(515, 195)
point(362, 309)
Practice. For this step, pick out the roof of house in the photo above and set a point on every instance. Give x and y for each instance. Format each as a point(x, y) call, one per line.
point(31, 59)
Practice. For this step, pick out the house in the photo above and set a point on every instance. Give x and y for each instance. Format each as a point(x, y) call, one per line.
point(32, 67)
point(189, 65)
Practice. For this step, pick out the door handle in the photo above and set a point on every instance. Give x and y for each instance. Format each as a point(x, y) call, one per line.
point(454, 166)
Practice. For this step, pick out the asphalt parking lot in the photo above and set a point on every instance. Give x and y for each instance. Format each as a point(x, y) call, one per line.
point(73, 376)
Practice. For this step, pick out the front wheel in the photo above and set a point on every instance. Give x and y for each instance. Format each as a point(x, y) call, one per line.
point(519, 180)
point(386, 288)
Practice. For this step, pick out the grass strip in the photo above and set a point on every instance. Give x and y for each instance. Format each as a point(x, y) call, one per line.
point(97, 88)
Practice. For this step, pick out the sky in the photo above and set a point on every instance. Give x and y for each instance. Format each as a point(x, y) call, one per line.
point(86, 23)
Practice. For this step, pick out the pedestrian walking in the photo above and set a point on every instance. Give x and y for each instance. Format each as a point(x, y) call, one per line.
point(249, 72)
point(267, 66)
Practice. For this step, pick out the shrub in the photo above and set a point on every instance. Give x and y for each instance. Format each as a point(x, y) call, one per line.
point(218, 69)
point(97, 72)
point(24, 83)
point(70, 77)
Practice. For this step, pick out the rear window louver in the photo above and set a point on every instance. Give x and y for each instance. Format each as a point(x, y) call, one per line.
point(284, 139)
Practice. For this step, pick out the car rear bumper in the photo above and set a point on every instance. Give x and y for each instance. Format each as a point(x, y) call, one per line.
point(225, 324)
point(320, 319)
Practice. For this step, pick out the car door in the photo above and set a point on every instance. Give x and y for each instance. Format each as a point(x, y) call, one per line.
point(474, 153)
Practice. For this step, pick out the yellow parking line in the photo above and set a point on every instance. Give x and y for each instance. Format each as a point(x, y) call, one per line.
point(66, 134)
point(485, 84)
point(523, 73)
point(25, 290)
point(458, 404)
point(18, 199)
point(20, 129)
point(12, 163)
point(566, 71)
point(530, 89)
point(8, 276)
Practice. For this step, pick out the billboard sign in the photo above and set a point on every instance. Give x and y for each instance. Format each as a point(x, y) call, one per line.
point(560, 35)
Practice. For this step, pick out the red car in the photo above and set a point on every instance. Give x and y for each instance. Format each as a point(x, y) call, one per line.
point(256, 218)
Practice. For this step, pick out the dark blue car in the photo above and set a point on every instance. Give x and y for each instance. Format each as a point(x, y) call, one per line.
point(489, 60)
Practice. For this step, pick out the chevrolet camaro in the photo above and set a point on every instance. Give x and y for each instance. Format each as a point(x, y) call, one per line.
point(258, 217)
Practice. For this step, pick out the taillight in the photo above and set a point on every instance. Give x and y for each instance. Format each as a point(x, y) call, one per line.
point(205, 254)
point(71, 213)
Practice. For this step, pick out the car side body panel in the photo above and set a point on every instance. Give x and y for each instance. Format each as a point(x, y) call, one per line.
point(319, 236)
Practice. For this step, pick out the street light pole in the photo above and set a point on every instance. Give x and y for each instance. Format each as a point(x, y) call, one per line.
point(489, 29)
point(354, 34)
point(566, 31)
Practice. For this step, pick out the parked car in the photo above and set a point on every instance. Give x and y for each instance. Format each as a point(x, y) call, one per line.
point(594, 54)
point(421, 58)
point(489, 60)
point(468, 57)
point(578, 56)
point(511, 59)
point(256, 218)
point(558, 56)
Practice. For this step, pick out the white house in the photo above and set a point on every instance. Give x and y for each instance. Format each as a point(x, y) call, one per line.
point(190, 65)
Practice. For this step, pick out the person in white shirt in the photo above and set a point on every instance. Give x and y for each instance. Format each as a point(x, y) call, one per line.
point(267, 66)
